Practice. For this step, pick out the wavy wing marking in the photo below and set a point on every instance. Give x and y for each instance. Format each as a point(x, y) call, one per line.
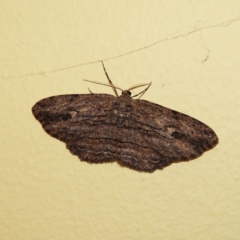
point(81, 121)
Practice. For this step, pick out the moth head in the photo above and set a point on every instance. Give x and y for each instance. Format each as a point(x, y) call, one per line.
point(126, 93)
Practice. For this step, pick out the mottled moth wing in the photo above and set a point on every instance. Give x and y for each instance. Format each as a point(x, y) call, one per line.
point(139, 134)
point(82, 122)
point(158, 136)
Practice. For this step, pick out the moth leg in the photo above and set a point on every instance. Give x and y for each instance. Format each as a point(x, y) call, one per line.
point(90, 91)
point(142, 92)
point(109, 80)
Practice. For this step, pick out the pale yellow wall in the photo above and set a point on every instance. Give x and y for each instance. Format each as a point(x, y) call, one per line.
point(45, 192)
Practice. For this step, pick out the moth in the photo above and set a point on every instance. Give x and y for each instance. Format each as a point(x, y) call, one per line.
point(138, 134)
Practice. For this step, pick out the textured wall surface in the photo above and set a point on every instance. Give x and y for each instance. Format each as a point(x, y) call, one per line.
point(190, 52)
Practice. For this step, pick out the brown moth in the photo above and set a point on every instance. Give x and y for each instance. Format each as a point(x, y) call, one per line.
point(141, 135)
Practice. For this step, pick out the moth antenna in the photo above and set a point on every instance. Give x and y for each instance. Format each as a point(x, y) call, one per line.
point(138, 85)
point(109, 80)
point(142, 92)
point(104, 84)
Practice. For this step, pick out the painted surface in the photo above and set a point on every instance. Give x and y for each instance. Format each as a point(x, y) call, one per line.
point(190, 52)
